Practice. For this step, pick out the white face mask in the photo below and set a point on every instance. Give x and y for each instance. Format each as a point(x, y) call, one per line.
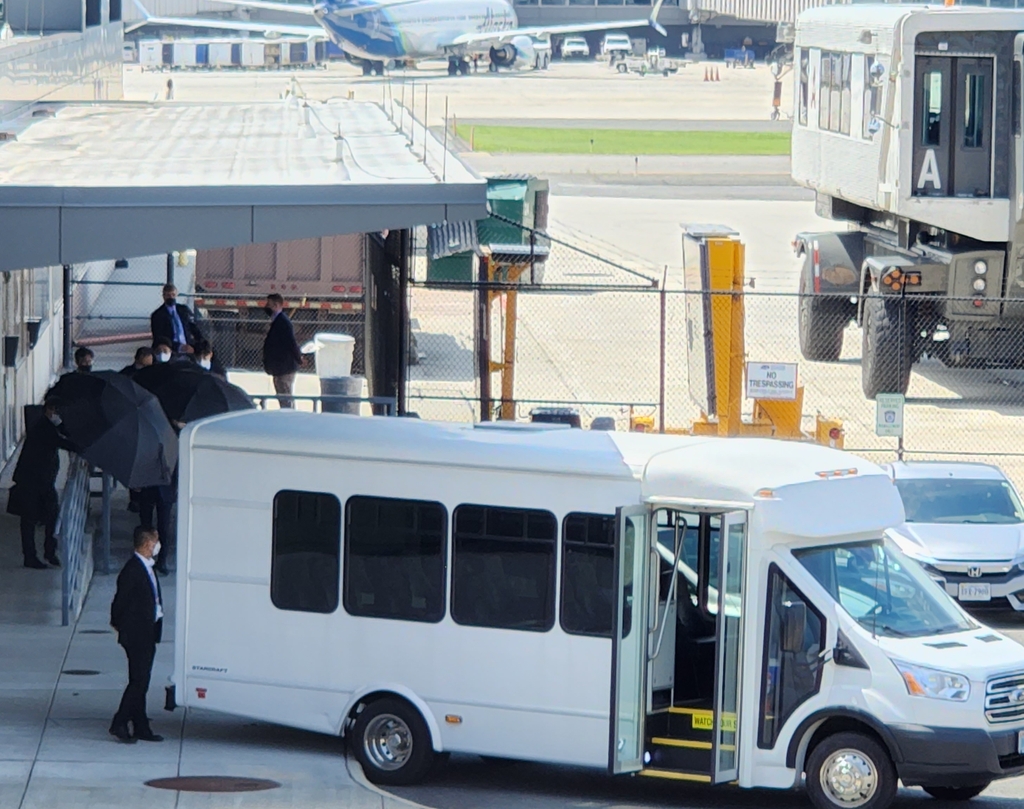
point(163, 356)
point(156, 550)
point(205, 364)
point(56, 420)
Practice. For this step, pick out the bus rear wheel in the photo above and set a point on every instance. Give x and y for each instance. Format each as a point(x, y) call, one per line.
point(956, 793)
point(392, 743)
point(850, 771)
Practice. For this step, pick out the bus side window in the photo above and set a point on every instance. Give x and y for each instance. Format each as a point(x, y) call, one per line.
point(588, 560)
point(395, 558)
point(792, 667)
point(503, 568)
point(306, 552)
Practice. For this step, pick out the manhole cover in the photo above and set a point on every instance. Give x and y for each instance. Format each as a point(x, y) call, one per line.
point(80, 672)
point(213, 783)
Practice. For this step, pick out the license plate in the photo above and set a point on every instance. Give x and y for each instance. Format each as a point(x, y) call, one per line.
point(1020, 742)
point(975, 592)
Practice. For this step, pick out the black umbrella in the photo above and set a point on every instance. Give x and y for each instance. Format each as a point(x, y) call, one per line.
point(118, 427)
point(187, 393)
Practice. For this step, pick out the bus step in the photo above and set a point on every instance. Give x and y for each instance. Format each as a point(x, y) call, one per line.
point(686, 755)
point(700, 778)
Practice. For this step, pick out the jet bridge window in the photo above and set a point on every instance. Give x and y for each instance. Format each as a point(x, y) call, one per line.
point(974, 111)
point(931, 132)
point(395, 558)
point(834, 99)
point(805, 59)
point(791, 671)
point(588, 561)
point(306, 551)
point(872, 94)
point(503, 568)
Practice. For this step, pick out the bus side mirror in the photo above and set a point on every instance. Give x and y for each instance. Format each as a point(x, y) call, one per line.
point(794, 620)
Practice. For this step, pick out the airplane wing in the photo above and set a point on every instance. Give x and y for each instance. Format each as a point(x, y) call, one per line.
point(268, 5)
point(540, 31)
point(280, 29)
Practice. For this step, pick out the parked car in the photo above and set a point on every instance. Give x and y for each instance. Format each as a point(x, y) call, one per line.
point(616, 45)
point(575, 48)
point(965, 525)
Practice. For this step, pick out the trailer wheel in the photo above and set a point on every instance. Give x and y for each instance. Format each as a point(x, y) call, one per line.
point(850, 771)
point(956, 793)
point(887, 346)
point(820, 320)
point(392, 743)
point(622, 68)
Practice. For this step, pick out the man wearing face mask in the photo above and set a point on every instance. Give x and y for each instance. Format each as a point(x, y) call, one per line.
point(83, 360)
point(162, 351)
point(281, 354)
point(34, 497)
point(174, 322)
point(137, 614)
point(207, 361)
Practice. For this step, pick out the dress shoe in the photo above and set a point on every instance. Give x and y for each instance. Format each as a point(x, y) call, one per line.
point(122, 734)
point(148, 736)
point(53, 560)
point(35, 563)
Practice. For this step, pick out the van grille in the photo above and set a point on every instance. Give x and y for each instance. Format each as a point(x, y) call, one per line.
point(1004, 698)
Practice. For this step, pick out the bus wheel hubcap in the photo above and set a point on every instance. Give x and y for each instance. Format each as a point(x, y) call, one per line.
point(849, 778)
point(387, 742)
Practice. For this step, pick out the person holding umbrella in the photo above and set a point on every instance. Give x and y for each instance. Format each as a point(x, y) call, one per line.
point(207, 361)
point(83, 360)
point(143, 359)
point(34, 496)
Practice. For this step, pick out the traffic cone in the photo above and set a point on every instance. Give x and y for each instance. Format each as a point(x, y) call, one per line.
point(706, 74)
point(716, 75)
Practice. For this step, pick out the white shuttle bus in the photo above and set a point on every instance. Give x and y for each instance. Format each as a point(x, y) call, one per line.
point(697, 609)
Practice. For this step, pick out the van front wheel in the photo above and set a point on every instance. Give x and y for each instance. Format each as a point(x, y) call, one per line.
point(850, 771)
point(392, 743)
point(956, 793)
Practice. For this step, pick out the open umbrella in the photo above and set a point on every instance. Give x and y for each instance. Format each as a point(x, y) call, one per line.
point(187, 393)
point(118, 427)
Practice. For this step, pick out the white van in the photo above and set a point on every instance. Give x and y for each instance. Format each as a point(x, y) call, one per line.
point(690, 608)
point(614, 46)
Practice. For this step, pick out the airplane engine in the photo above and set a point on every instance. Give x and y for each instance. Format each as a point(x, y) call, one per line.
point(516, 53)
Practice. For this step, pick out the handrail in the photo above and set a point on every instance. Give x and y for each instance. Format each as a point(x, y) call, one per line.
point(672, 586)
point(74, 541)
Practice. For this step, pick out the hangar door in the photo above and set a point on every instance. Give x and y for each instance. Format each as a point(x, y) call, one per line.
point(953, 105)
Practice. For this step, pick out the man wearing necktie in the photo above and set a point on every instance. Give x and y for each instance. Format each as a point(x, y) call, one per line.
point(137, 614)
point(174, 322)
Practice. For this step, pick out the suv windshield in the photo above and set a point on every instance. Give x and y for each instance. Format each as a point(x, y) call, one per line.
point(884, 591)
point(954, 501)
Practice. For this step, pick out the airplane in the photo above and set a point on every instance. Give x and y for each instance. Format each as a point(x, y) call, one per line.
point(373, 32)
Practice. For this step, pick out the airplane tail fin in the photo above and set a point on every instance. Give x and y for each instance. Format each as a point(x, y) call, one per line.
point(657, 26)
point(142, 10)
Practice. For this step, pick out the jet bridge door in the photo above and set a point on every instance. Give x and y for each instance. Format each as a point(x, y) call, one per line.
point(953, 112)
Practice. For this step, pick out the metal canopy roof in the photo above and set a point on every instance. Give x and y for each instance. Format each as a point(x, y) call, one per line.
point(87, 182)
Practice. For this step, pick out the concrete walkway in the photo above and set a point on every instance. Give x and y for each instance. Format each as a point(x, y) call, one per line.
point(54, 747)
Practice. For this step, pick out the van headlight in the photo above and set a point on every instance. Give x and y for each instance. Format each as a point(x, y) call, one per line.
point(925, 682)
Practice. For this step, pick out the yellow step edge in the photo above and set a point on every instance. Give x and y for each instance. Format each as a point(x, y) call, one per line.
point(677, 776)
point(681, 743)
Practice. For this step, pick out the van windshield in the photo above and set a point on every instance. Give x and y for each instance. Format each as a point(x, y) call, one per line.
point(886, 592)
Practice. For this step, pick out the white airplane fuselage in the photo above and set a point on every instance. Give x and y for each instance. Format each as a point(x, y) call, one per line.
point(422, 30)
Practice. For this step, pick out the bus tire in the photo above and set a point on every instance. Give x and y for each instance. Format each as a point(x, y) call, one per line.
point(820, 320)
point(391, 742)
point(887, 346)
point(956, 793)
point(850, 771)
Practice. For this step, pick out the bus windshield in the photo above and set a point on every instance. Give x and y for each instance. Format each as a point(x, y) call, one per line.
point(884, 591)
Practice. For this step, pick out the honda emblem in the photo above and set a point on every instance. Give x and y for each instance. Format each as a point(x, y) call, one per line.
point(974, 571)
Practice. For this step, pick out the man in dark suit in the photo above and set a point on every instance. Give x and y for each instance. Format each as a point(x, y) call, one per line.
point(137, 614)
point(281, 354)
point(34, 497)
point(174, 322)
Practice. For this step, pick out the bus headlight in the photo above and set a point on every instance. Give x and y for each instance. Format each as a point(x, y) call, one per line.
point(979, 284)
point(925, 682)
point(980, 267)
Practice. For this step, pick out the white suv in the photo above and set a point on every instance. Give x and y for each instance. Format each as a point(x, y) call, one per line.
point(614, 46)
point(965, 525)
point(575, 47)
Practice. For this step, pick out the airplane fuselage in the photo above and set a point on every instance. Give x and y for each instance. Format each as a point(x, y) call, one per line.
point(421, 30)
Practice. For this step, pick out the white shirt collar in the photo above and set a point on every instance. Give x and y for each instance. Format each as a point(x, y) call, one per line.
point(147, 562)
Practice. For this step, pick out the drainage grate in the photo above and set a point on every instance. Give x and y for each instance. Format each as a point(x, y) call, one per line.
point(94, 632)
point(81, 672)
point(213, 783)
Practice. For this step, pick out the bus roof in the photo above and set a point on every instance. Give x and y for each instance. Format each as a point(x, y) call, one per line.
point(665, 466)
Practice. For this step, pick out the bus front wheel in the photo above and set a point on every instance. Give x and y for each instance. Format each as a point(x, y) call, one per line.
point(392, 743)
point(850, 771)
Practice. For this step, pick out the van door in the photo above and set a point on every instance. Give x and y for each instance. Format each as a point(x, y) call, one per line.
point(629, 641)
point(972, 135)
point(732, 554)
point(932, 126)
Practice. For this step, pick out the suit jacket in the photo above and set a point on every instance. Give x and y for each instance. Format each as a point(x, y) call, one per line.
point(133, 610)
point(161, 325)
point(39, 462)
point(281, 354)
